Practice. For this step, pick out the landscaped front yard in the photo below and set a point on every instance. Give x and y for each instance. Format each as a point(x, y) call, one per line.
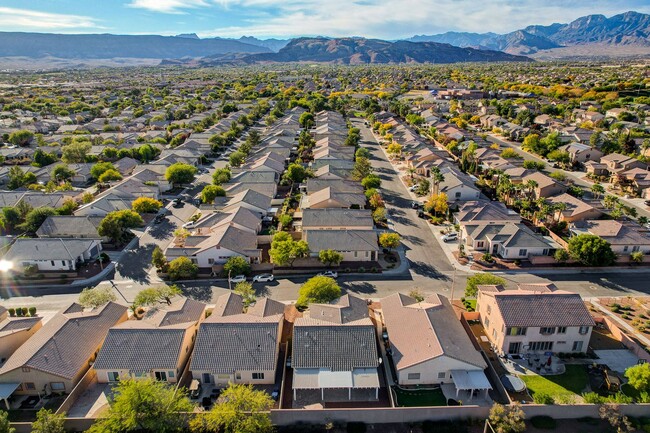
point(419, 397)
point(561, 387)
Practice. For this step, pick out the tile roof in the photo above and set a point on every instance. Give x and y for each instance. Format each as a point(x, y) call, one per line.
point(535, 305)
point(329, 217)
point(63, 225)
point(342, 240)
point(48, 249)
point(345, 309)
point(15, 324)
point(64, 344)
point(421, 331)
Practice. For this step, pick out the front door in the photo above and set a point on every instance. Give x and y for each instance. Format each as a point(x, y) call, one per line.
point(495, 248)
point(161, 375)
point(206, 377)
point(514, 348)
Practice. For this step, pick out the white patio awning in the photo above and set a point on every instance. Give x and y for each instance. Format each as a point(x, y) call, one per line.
point(314, 378)
point(470, 380)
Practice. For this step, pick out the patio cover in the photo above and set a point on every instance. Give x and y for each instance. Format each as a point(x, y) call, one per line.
point(313, 378)
point(6, 389)
point(470, 380)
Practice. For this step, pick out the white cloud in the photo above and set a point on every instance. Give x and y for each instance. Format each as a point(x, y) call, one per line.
point(25, 19)
point(167, 6)
point(391, 19)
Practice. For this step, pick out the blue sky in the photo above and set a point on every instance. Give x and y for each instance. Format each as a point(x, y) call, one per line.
point(388, 19)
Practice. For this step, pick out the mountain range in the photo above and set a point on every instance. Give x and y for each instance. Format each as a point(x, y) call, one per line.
point(627, 29)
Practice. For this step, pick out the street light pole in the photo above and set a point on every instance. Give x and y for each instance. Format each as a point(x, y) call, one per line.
point(229, 283)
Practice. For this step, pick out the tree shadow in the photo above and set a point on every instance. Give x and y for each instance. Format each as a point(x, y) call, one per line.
point(426, 270)
point(161, 231)
point(359, 287)
point(133, 264)
point(415, 240)
point(199, 293)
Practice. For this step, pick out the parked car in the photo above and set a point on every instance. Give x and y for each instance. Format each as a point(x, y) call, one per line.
point(449, 237)
point(237, 279)
point(331, 274)
point(412, 188)
point(177, 202)
point(647, 202)
point(158, 219)
point(263, 278)
point(189, 225)
point(421, 214)
point(416, 205)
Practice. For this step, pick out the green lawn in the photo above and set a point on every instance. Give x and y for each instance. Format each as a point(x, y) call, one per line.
point(573, 381)
point(419, 397)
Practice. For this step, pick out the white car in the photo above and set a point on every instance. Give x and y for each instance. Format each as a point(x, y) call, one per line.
point(189, 225)
point(263, 278)
point(449, 237)
point(237, 279)
point(331, 274)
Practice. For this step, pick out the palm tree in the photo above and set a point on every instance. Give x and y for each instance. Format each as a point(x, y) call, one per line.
point(543, 212)
point(436, 178)
point(559, 208)
point(642, 220)
point(597, 190)
point(610, 201)
point(530, 186)
point(411, 171)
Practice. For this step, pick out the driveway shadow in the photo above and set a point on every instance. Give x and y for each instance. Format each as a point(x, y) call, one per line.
point(162, 231)
point(200, 293)
point(427, 270)
point(360, 287)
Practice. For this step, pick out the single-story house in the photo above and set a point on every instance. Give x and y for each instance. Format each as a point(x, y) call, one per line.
point(354, 245)
point(52, 254)
point(624, 237)
point(15, 331)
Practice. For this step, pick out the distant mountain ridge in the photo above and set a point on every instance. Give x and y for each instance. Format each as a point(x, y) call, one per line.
point(629, 29)
point(355, 51)
point(106, 46)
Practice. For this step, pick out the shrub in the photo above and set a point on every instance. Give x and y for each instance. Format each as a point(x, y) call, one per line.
point(12, 312)
point(542, 398)
point(32, 311)
point(24, 311)
point(593, 398)
point(543, 422)
point(487, 257)
point(362, 269)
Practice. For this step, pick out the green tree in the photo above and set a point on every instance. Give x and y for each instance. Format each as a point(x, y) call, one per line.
point(236, 265)
point(17, 178)
point(48, 422)
point(237, 158)
point(96, 297)
point(145, 405)
point(240, 409)
point(286, 252)
point(591, 250)
point(5, 426)
point(75, 153)
point(371, 181)
point(638, 377)
point(296, 173)
point(62, 173)
point(21, 137)
point(561, 255)
point(41, 159)
point(560, 156)
point(597, 190)
point(36, 217)
point(285, 220)
point(330, 257)
point(156, 295)
point(210, 192)
point(179, 173)
point(245, 290)
point(110, 176)
point(306, 120)
point(318, 290)
point(116, 224)
point(389, 240)
point(158, 258)
point(507, 419)
point(100, 168)
point(221, 175)
point(362, 152)
point(471, 288)
point(146, 205)
point(362, 168)
point(182, 268)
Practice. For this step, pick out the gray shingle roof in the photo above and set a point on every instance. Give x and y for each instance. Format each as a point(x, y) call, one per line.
point(337, 217)
point(342, 240)
point(64, 344)
point(48, 249)
point(64, 225)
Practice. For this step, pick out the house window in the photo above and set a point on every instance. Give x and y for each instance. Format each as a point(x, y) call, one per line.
point(210, 261)
point(494, 334)
point(561, 330)
point(489, 309)
point(547, 331)
point(113, 376)
point(577, 346)
point(171, 374)
point(52, 261)
point(487, 322)
point(414, 376)
point(258, 376)
point(480, 244)
point(635, 248)
point(515, 330)
point(57, 386)
point(26, 369)
point(523, 252)
point(458, 195)
point(625, 248)
point(238, 376)
point(442, 375)
point(536, 346)
point(62, 263)
point(30, 386)
point(583, 330)
point(561, 342)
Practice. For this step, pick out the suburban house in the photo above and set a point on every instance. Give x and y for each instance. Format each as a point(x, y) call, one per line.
point(429, 346)
point(330, 198)
point(545, 185)
point(576, 209)
point(616, 163)
point(250, 199)
point(104, 205)
point(580, 153)
point(157, 346)
point(335, 349)
point(69, 226)
point(234, 346)
point(216, 247)
point(52, 254)
point(354, 245)
point(508, 240)
point(14, 331)
point(624, 237)
point(534, 319)
point(483, 210)
point(57, 356)
point(457, 185)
